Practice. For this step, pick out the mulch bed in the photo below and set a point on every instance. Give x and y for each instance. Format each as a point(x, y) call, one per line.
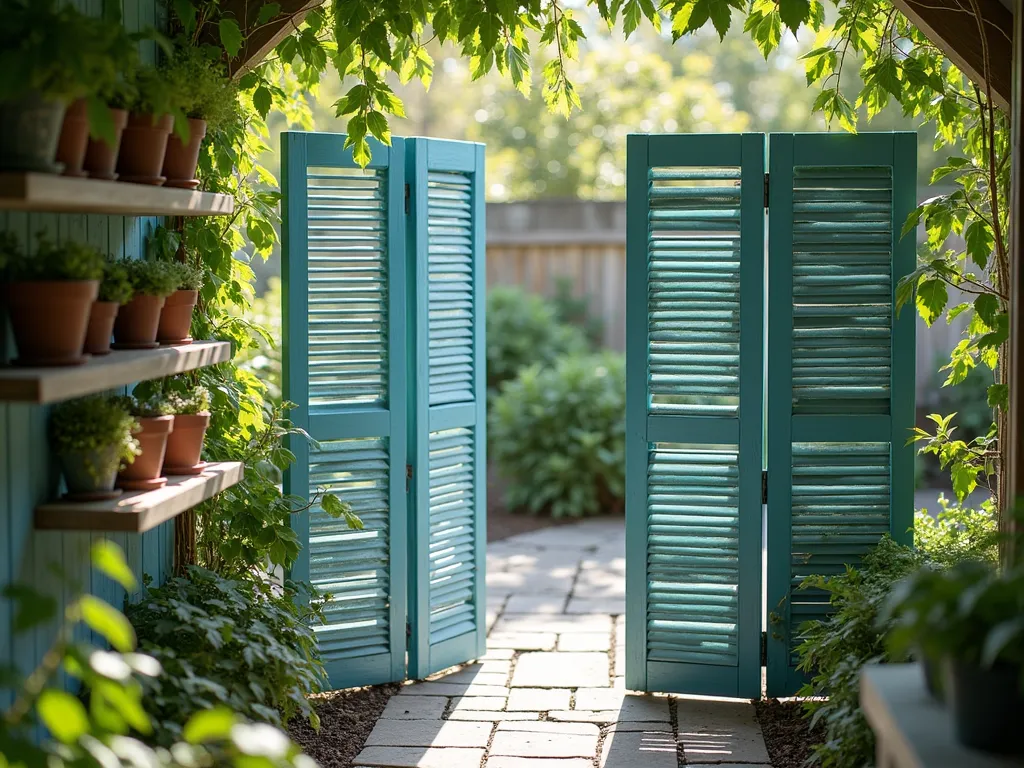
point(346, 719)
point(786, 732)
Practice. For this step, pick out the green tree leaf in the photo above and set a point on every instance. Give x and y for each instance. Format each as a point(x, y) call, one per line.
point(378, 125)
point(108, 559)
point(931, 299)
point(210, 725)
point(109, 622)
point(230, 36)
point(794, 12)
point(998, 395)
point(63, 715)
point(987, 307)
point(267, 12)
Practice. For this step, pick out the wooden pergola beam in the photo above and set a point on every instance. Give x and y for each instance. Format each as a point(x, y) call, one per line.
point(953, 26)
point(259, 42)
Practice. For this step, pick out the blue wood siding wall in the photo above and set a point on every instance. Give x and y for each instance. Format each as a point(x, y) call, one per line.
point(27, 473)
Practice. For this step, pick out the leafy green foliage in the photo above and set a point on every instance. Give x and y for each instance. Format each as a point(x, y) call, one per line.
point(108, 725)
point(193, 401)
point(209, 93)
point(145, 407)
point(116, 285)
point(242, 644)
point(575, 311)
point(151, 277)
point(955, 533)
point(523, 330)
point(89, 424)
point(71, 261)
point(557, 435)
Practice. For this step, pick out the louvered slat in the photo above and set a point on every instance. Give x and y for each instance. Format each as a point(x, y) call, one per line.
point(693, 554)
point(450, 302)
point(352, 566)
point(694, 290)
point(348, 297)
point(842, 289)
point(453, 585)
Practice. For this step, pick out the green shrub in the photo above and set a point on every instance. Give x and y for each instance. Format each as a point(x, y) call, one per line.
point(116, 286)
point(88, 424)
point(153, 278)
point(239, 643)
point(523, 330)
point(558, 436)
point(956, 533)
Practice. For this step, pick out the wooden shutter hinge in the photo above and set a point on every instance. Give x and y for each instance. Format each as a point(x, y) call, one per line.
point(407, 193)
point(767, 187)
point(764, 486)
point(764, 649)
point(408, 476)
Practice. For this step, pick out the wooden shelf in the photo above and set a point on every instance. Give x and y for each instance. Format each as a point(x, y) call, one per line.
point(64, 194)
point(119, 368)
point(140, 511)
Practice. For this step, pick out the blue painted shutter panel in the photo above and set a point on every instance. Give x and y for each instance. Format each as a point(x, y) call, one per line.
point(448, 530)
point(840, 368)
point(694, 345)
point(345, 369)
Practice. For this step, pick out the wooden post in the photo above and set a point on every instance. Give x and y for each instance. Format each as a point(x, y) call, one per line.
point(1014, 451)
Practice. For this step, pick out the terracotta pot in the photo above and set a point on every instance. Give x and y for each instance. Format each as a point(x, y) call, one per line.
point(136, 323)
point(74, 136)
point(90, 475)
point(49, 319)
point(176, 318)
point(29, 131)
point(181, 159)
point(101, 157)
point(185, 445)
point(101, 327)
point(144, 473)
point(143, 146)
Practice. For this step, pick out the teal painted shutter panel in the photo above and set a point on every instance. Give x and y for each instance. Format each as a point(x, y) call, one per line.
point(345, 369)
point(840, 368)
point(694, 345)
point(448, 530)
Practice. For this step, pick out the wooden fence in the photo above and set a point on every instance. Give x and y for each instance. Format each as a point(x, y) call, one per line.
point(535, 244)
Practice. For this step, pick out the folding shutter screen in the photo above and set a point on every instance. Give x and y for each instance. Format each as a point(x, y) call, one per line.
point(840, 367)
point(447, 416)
point(345, 368)
point(695, 265)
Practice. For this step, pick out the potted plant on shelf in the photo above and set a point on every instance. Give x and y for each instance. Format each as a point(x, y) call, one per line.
point(41, 56)
point(176, 315)
point(92, 437)
point(49, 295)
point(191, 418)
point(155, 425)
point(154, 105)
point(211, 100)
point(970, 619)
point(115, 290)
point(137, 321)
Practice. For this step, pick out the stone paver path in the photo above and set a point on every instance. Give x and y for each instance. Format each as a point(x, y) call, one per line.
point(550, 693)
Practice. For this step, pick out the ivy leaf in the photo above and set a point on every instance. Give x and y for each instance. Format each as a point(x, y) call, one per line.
point(230, 36)
point(262, 100)
point(987, 307)
point(109, 622)
point(109, 560)
point(63, 715)
point(378, 126)
point(794, 12)
point(931, 299)
point(267, 12)
point(998, 395)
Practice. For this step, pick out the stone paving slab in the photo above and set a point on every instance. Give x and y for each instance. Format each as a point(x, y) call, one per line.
point(539, 762)
point(428, 733)
point(553, 603)
point(522, 641)
point(473, 676)
point(723, 731)
point(541, 744)
point(544, 726)
point(418, 757)
point(477, 703)
point(452, 689)
point(491, 716)
point(414, 708)
point(584, 641)
point(560, 670)
point(526, 622)
point(538, 699)
point(604, 716)
point(639, 750)
point(635, 707)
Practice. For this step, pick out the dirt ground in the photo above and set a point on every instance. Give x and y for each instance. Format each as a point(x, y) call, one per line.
point(786, 733)
point(346, 719)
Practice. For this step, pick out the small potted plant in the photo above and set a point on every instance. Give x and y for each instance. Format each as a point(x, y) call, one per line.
point(971, 619)
point(176, 316)
point(191, 418)
point(49, 295)
point(152, 282)
point(93, 438)
point(211, 101)
point(115, 290)
point(42, 54)
point(155, 106)
point(155, 425)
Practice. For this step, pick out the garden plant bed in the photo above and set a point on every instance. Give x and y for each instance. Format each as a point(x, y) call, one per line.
point(346, 719)
point(787, 733)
